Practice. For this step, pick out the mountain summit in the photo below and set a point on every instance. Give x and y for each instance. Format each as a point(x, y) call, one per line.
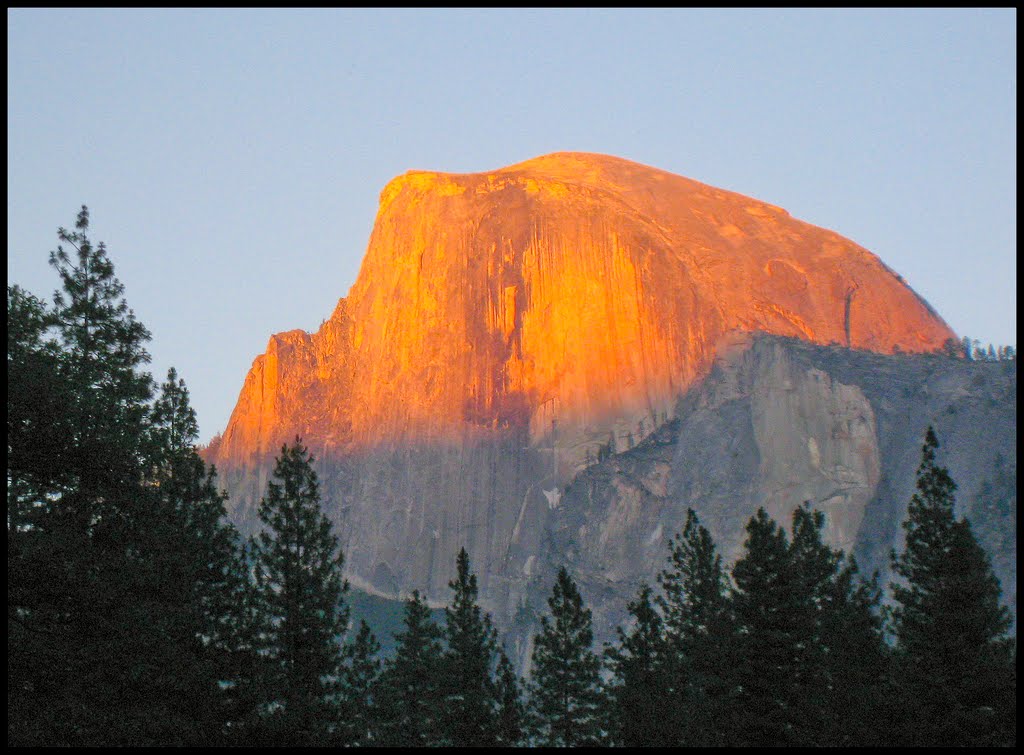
point(569, 300)
point(548, 364)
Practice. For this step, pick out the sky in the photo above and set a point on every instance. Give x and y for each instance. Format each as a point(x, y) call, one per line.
point(232, 159)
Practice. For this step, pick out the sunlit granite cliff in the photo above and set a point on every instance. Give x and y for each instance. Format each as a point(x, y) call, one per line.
point(574, 293)
point(548, 363)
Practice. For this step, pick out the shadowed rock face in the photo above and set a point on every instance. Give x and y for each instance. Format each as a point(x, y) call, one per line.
point(509, 330)
point(778, 422)
point(574, 291)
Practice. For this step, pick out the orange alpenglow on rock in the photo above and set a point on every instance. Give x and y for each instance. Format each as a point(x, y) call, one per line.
point(570, 298)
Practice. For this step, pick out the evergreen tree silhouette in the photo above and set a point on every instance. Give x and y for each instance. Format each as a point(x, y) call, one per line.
point(410, 693)
point(207, 564)
point(298, 567)
point(510, 714)
point(359, 678)
point(639, 708)
point(470, 706)
point(775, 640)
point(955, 664)
point(842, 663)
point(40, 687)
point(698, 636)
point(103, 652)
point(844, 667)
point(565, 694)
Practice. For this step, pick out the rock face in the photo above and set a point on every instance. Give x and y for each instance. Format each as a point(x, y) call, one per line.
point(778, 422)
point(574, 291)
point(512, 331)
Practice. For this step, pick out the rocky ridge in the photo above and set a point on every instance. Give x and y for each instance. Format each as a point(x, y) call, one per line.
point(779, 422)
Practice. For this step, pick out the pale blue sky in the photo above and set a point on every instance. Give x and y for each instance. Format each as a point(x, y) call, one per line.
point(232, 160)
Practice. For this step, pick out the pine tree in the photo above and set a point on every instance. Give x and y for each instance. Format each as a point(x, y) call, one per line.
point(955, 673)
point(207, 562)
point(38, 407)
point(116, 548)
point(842, 658)
point(697, 635)
point(38, 448)
point(511, 714)
point(359, 678)
point(565, 692)
point(809, 657)
point(409, 694)
point(815, 567)
point(301, 589)
point(109, 664)
point(858, 661)
point(951, 348)
point(104, 353)
point(774, 632)
point(639, 707)
point(249, 682)
point(469, 710)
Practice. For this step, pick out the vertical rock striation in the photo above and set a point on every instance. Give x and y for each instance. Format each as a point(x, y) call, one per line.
point(578, 291)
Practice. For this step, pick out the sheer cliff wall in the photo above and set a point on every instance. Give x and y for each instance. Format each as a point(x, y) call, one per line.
point(510, 330)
